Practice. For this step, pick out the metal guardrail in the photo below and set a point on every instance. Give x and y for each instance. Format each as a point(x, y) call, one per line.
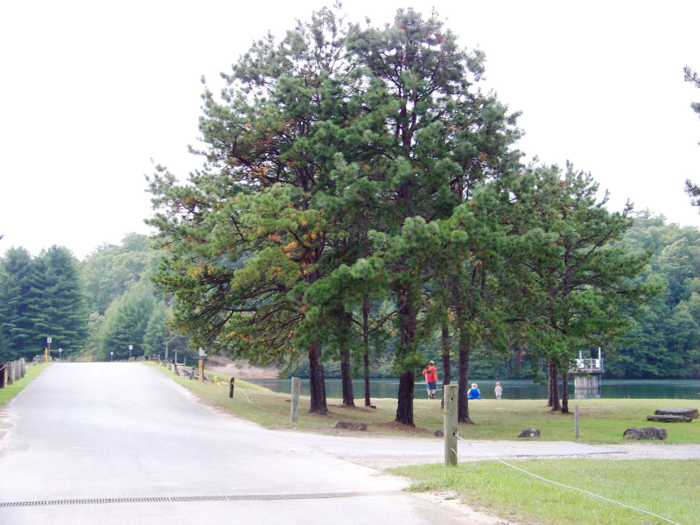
point(591, 366)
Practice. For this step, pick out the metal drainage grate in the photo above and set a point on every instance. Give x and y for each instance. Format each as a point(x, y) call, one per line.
point(185, 499)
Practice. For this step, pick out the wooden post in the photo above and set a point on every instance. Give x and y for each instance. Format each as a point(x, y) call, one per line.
point(449, 394)
point(230, 388)
point(576, 421)
point(201, 371)
point(10, 372)
point(296, 388)
point(3, 375)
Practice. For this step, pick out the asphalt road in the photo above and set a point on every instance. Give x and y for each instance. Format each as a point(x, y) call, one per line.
point(105, 431)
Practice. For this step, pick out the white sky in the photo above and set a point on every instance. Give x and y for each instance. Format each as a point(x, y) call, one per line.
point(91, 91)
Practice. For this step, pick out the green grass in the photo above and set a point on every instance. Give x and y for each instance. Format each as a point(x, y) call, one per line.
point(15, 388)
point(663, 487)
point(601, 420)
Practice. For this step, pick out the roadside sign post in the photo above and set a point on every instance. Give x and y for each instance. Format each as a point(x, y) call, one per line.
point(131, 347)
point(202, 355)
point(48, 348)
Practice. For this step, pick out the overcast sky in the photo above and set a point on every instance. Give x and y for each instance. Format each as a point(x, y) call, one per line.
point(91, 91)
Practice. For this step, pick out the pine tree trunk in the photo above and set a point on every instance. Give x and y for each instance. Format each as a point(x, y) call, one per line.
point(404, 410)
point(407, 317)
point(565, 391)
point(365, 336)
point(445, 362)
point(550, 391)
point(346, 375)
point(555, 387)
point(317, 381)
point(464, 344)
point(368, 402)
point(463, 387)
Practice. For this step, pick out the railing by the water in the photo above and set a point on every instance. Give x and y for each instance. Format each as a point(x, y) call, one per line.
point(591, 366)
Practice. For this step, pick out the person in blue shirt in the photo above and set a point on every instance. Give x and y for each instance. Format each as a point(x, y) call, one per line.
point(474, 392)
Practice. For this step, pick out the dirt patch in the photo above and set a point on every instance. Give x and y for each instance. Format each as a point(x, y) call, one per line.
point(400, 427)
point(354, 408)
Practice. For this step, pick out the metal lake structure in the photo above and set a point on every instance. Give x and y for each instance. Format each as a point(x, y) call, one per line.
point(587, 375)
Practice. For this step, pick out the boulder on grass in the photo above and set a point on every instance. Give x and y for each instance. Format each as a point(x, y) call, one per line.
point(692, 413)
point(670, 419)
point(439, 433)
point(529, 433)
point(645, 433)
point(351, 426)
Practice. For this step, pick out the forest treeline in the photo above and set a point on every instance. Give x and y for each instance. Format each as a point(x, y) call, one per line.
point(92, 309)
point(107, 302)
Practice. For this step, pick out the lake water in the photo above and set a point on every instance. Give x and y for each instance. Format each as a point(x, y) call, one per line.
point(512, 389)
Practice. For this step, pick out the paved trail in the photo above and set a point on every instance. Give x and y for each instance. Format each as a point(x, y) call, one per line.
point(104, 431)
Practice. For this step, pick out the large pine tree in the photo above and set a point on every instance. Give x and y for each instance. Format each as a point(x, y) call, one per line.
point(440, 139)
point(63, 315)
point(584, 292)
point(21, 291)
point(337, 146)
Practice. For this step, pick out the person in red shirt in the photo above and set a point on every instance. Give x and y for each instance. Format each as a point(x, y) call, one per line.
point(431, 378)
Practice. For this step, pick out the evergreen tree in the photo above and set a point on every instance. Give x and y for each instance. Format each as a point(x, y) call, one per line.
point(586, 292)
point(158, 335)
point(126, 321)
point(341, 145)
point(63, 316)
point(245, 238)
point(487, 241)
point(21, 295)
point(439, 139)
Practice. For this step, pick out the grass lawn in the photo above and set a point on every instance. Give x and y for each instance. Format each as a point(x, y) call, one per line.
point(601, 420)
point(15, 388)
point(662, 487)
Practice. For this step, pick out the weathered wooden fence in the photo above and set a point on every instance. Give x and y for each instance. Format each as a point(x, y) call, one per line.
point(12, 371)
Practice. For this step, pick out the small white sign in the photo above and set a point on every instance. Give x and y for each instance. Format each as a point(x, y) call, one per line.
point(202, 353)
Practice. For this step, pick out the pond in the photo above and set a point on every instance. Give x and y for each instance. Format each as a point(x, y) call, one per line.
point(512, 389)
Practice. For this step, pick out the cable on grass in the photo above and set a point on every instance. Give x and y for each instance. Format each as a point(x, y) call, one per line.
point(238, 387)
point(566, 486)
